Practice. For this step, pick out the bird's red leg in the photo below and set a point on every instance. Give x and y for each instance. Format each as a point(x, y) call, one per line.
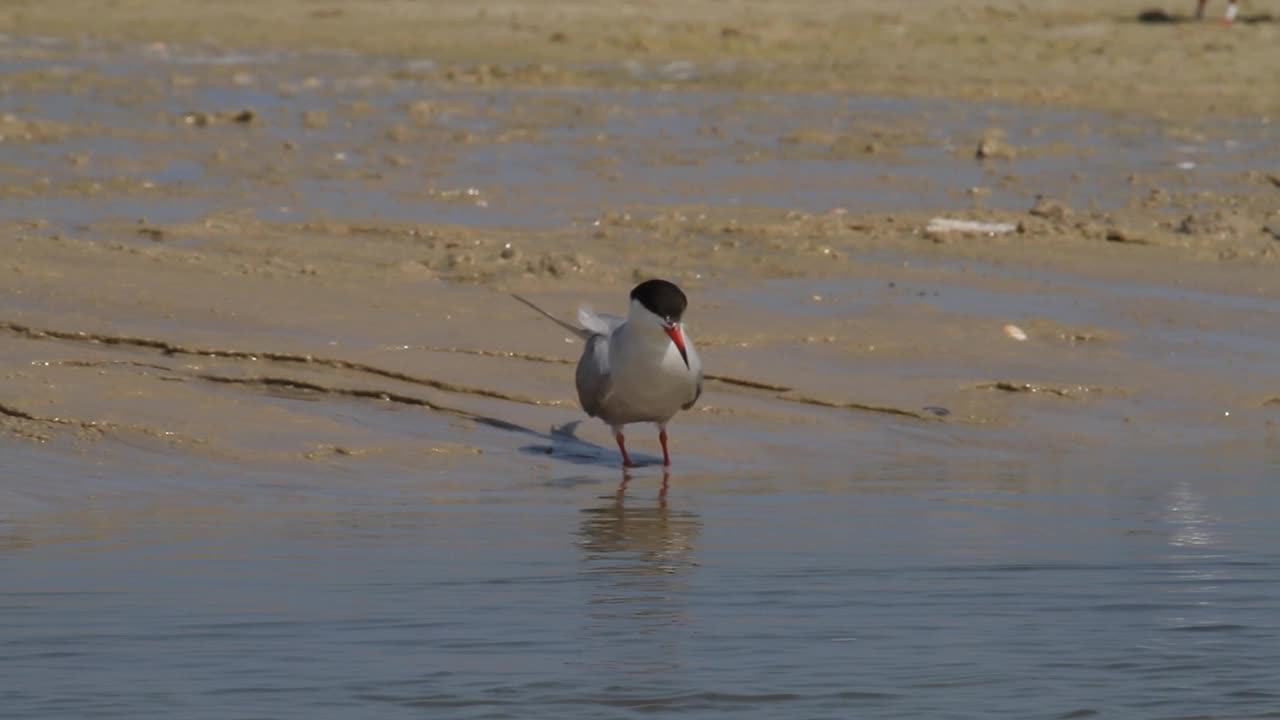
point(622, 445)
point(666, 456)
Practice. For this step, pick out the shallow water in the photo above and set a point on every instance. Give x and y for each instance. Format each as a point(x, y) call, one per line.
point(915, 590)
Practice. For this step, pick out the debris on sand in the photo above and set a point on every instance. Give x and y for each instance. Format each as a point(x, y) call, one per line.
point(1049, 209)
point(941, 225)
point(1064, 391)
point(201, 118)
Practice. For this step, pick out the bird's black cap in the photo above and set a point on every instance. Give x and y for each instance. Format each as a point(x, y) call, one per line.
point(661, 298)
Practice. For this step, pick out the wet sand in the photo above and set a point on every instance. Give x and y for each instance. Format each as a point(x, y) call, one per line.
point(232, 246)
point(1093, 53)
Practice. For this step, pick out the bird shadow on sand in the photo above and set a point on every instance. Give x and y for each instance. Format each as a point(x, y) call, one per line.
point(1159, 16)
point(564, 444)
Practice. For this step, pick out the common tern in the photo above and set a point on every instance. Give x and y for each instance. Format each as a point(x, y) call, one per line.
point(641, 368)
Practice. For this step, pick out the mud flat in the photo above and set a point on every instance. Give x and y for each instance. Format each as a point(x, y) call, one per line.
point(292, 251)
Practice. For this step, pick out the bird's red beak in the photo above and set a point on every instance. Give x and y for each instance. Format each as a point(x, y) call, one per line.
point(677, 337)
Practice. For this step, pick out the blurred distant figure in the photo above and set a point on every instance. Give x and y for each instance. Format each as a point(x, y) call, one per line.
point(1232, 10)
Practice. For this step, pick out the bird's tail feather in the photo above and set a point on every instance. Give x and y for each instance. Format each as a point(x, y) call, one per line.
point(580, 332)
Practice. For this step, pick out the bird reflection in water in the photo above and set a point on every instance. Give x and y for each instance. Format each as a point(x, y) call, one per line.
point(637, 557)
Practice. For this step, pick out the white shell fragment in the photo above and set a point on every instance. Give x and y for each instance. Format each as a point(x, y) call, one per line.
point(1015, 332)
point(948, 225)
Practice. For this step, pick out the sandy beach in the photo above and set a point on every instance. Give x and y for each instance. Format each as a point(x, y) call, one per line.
point(211, 218)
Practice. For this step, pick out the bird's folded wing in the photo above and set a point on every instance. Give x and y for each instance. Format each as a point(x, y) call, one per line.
point(593, 377)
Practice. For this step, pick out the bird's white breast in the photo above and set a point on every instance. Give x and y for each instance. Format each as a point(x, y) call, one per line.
point(650, 382)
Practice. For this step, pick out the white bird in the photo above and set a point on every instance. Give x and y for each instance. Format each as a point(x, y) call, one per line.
point(641, 368)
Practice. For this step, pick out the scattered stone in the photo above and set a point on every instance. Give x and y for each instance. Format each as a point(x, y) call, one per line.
point(201, 118)
point(993, 146)
point(1049, 209)
point(1220, 224)
point(1121, 235)
point(1157, 197)
point(1157, 16)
